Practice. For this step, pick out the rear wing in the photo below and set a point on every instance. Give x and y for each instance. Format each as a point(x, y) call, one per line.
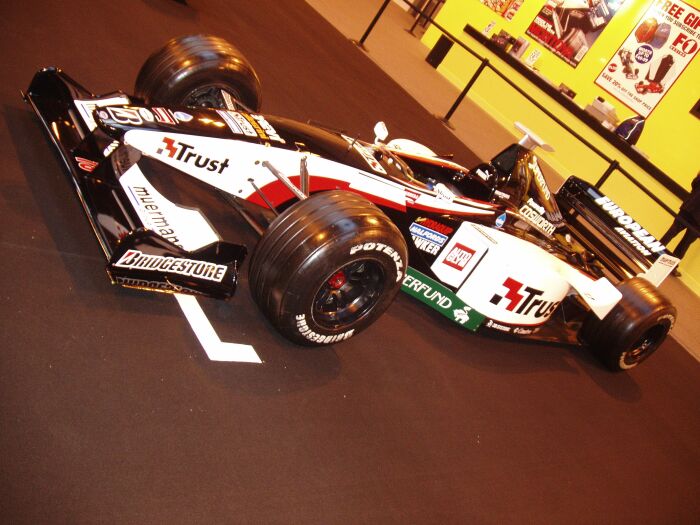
point(624, 246)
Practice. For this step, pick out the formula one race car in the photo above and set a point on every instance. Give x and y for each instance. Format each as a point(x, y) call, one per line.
point(343, 223)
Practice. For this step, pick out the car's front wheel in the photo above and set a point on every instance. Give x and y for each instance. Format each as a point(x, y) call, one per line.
point(327, 268)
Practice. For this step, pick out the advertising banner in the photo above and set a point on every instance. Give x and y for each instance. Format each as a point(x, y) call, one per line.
point(653, 56)
point(568, 28)
point(505, 8)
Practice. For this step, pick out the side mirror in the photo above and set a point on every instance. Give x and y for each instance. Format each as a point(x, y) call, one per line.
point(380, 132)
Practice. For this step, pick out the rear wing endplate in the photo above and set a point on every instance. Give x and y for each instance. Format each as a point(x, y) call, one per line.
point(624, 246)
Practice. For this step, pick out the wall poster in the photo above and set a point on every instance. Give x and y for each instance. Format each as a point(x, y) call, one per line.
point(505, 8)
point(568, 28)
point(653, 56)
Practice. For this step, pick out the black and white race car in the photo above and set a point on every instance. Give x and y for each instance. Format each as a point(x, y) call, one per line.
point(343, 224)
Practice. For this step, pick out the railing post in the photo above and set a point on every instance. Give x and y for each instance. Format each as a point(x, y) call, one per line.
point(420, 16)
point(361, 42)
point(613, 166)
point(460, 98)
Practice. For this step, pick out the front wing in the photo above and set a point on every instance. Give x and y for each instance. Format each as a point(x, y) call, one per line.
point(137, 255)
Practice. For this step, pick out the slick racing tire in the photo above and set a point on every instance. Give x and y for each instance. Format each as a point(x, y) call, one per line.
point(327, 268)
point(633, 329)
point(199, 71)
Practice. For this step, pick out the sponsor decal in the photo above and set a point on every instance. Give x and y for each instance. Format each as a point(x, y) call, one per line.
point(261, 127)
point(444, 193)
point(458, 256)
point(539, 178)
point(146, 115)
point(501, 220)
point(155, 217)
point(126, 116)
point(440, 298)
point(629, 229)
point(518, 330)
point(528, 303)
point(86, 164)
point(250, 125)
point(181, 116)
point(155, 285)
point(497, 326)
point(268, 129)
point(87, 107)
point(539, 209)
point(164, 116)
point(502, 194)
point(462, 314)
point(228, 99)
point(383, 248)
point(318, 338)
point(426, 239)
point(663, 266)
point(184, 227)
point(134, 259)
point(412, 196)
point(185, 153)
point(368, 155)
point(435, 225)
point(237, 123)
point(109, 149)
point(533, 217)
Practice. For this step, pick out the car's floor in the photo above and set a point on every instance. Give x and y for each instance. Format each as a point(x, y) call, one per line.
point(111, 411)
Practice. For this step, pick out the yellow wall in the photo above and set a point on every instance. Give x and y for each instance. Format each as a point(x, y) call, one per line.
point(671, 136)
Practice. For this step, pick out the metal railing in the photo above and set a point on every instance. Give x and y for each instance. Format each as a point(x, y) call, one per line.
point(613, 164)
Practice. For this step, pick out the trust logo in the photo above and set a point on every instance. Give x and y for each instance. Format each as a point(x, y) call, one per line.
point(525, 301)
point(186, 153)
point(168, 148)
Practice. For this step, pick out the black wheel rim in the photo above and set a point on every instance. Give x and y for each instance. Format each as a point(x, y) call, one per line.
point(644, 346)
point(348, 294)
point(213, 96)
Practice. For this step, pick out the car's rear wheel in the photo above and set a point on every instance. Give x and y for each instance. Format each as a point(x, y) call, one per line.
point(327, 268)
point(634, 329)
point(200, 71)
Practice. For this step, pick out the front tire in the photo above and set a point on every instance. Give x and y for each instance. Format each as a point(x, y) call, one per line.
point(199, 71)
point(634, 329)
point(327, 268)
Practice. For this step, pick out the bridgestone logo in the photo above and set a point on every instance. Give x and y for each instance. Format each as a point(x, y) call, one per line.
point(134, 259)
point(318, 338)
point(383, 248)
point(154, 285)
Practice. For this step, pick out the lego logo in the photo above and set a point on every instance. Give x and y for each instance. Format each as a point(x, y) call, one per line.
point(458, 256)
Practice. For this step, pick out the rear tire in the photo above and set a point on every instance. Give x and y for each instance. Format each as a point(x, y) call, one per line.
point(635, 327)
point(201, 71)
point(327, 268)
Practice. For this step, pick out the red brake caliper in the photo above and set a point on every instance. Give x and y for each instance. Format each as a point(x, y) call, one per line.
point(337, 280)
